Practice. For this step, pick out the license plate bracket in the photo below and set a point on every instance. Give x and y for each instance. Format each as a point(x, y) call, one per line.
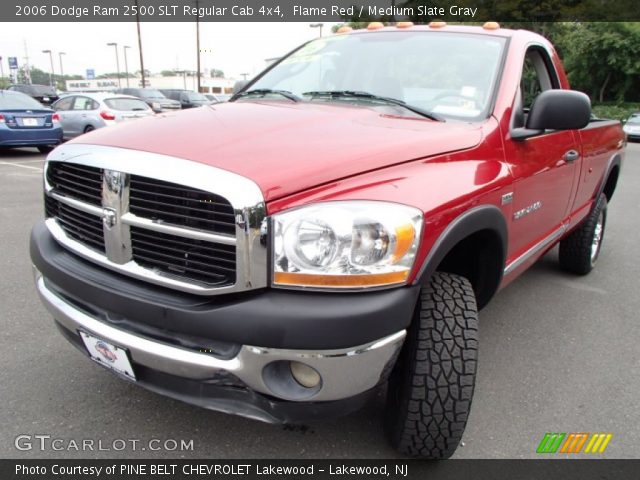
point(108, 355)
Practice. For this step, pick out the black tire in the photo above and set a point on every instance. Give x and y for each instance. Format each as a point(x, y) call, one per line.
point(431, 386)
point(45, 148)
point(89, 128)
point(580, 250)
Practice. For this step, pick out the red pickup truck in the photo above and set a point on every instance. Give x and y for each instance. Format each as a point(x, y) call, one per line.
point(333, 229)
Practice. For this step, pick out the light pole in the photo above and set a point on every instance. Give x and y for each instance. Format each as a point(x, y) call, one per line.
point(317, 25)
point(126, 66)
point(61, 70)
point(115, 46)
point(50, 60)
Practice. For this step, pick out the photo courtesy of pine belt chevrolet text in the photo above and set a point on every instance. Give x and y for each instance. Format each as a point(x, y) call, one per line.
point(333, 230)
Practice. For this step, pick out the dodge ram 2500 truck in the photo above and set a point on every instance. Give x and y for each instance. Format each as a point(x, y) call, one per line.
point(332, 229)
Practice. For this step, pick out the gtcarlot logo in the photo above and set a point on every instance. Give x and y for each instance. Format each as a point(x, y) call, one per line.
point(44, 443)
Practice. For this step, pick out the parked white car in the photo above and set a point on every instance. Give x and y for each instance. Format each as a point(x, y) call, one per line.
point(82, 112)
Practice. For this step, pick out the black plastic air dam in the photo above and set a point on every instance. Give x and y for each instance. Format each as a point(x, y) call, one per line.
point(266, 318)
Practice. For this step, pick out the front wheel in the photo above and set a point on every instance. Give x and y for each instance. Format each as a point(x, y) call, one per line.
point(431, 386)
point(580, 250)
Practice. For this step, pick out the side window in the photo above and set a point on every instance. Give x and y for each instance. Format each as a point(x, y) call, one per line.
point(537, 76)
point(530, 86)
point(64, 104)
point(84, 103)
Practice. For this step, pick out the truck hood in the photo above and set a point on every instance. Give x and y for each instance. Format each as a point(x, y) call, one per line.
point(289, 147)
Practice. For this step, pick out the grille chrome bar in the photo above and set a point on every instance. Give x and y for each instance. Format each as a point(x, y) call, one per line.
point(77, 204)
point(174, 248)
point(115, 200)
point(136, 221)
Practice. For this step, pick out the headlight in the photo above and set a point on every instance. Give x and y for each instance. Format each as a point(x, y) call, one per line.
point(345, 244)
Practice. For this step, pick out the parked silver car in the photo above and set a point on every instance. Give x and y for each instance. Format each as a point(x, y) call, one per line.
point(82, 112)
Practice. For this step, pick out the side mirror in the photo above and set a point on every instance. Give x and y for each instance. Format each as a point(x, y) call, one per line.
point(559, 110)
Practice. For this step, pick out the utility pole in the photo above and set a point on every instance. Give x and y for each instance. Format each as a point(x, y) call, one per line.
point(198, 45)
point(144, 82)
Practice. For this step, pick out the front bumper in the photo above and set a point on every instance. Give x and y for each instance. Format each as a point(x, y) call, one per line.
point(256, 378)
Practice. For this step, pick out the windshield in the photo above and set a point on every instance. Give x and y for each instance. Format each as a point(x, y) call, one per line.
point(126, 104)
point(18, 101)
point(196, 97)
point(149, 93)
point(42, 90)
point(634, 121)
point(446, 73)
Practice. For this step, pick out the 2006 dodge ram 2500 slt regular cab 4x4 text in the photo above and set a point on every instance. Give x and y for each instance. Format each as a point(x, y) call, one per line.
point(334, 228)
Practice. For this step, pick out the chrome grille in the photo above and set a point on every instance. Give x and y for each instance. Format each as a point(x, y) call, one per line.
point(180, 205)
point(82, 227)
point(78, 181)
point(165, 220)
point(209, 263)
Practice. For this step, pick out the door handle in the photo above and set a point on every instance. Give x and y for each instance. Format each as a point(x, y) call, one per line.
point(571, 156)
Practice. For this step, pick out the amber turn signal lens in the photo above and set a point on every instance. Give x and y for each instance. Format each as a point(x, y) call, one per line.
point(345, 281)
point(405, 234)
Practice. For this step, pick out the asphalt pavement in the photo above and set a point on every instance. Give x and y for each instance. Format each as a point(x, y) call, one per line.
point(558, 353)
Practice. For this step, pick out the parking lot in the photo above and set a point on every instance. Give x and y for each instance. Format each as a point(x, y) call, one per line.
point(558, 353)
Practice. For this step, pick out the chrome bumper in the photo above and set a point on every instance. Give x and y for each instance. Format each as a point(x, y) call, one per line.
point(344, 373)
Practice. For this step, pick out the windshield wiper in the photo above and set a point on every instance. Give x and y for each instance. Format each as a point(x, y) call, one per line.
point(267, 91)
point(371, 96)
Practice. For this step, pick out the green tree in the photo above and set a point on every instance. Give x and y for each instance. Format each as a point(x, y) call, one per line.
point(38, 77)
point(601, 60)
point(115, 75)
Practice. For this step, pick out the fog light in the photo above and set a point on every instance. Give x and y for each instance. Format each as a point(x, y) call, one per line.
point(304, 374)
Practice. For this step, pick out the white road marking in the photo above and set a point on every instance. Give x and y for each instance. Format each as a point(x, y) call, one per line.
point(26, 161)
point(21, 166)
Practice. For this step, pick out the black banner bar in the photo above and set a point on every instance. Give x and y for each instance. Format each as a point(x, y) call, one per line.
point(546, 469)
point(317, 10)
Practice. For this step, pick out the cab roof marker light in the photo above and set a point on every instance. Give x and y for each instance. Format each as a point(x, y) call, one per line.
point(437, 24)
point(344, 29)
point(491, 26)
point(404, 24)
point(375, 26)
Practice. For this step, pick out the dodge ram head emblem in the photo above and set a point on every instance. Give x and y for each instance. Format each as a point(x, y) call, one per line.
point(113, 180)
point(109, 217)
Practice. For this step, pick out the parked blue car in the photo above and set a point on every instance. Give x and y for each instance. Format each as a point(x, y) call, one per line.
point(26, 123)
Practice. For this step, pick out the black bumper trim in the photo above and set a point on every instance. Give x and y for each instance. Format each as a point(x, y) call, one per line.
point(266, 318)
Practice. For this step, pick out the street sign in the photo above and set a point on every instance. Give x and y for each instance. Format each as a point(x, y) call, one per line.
point(91, 74)
point(13, 62)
